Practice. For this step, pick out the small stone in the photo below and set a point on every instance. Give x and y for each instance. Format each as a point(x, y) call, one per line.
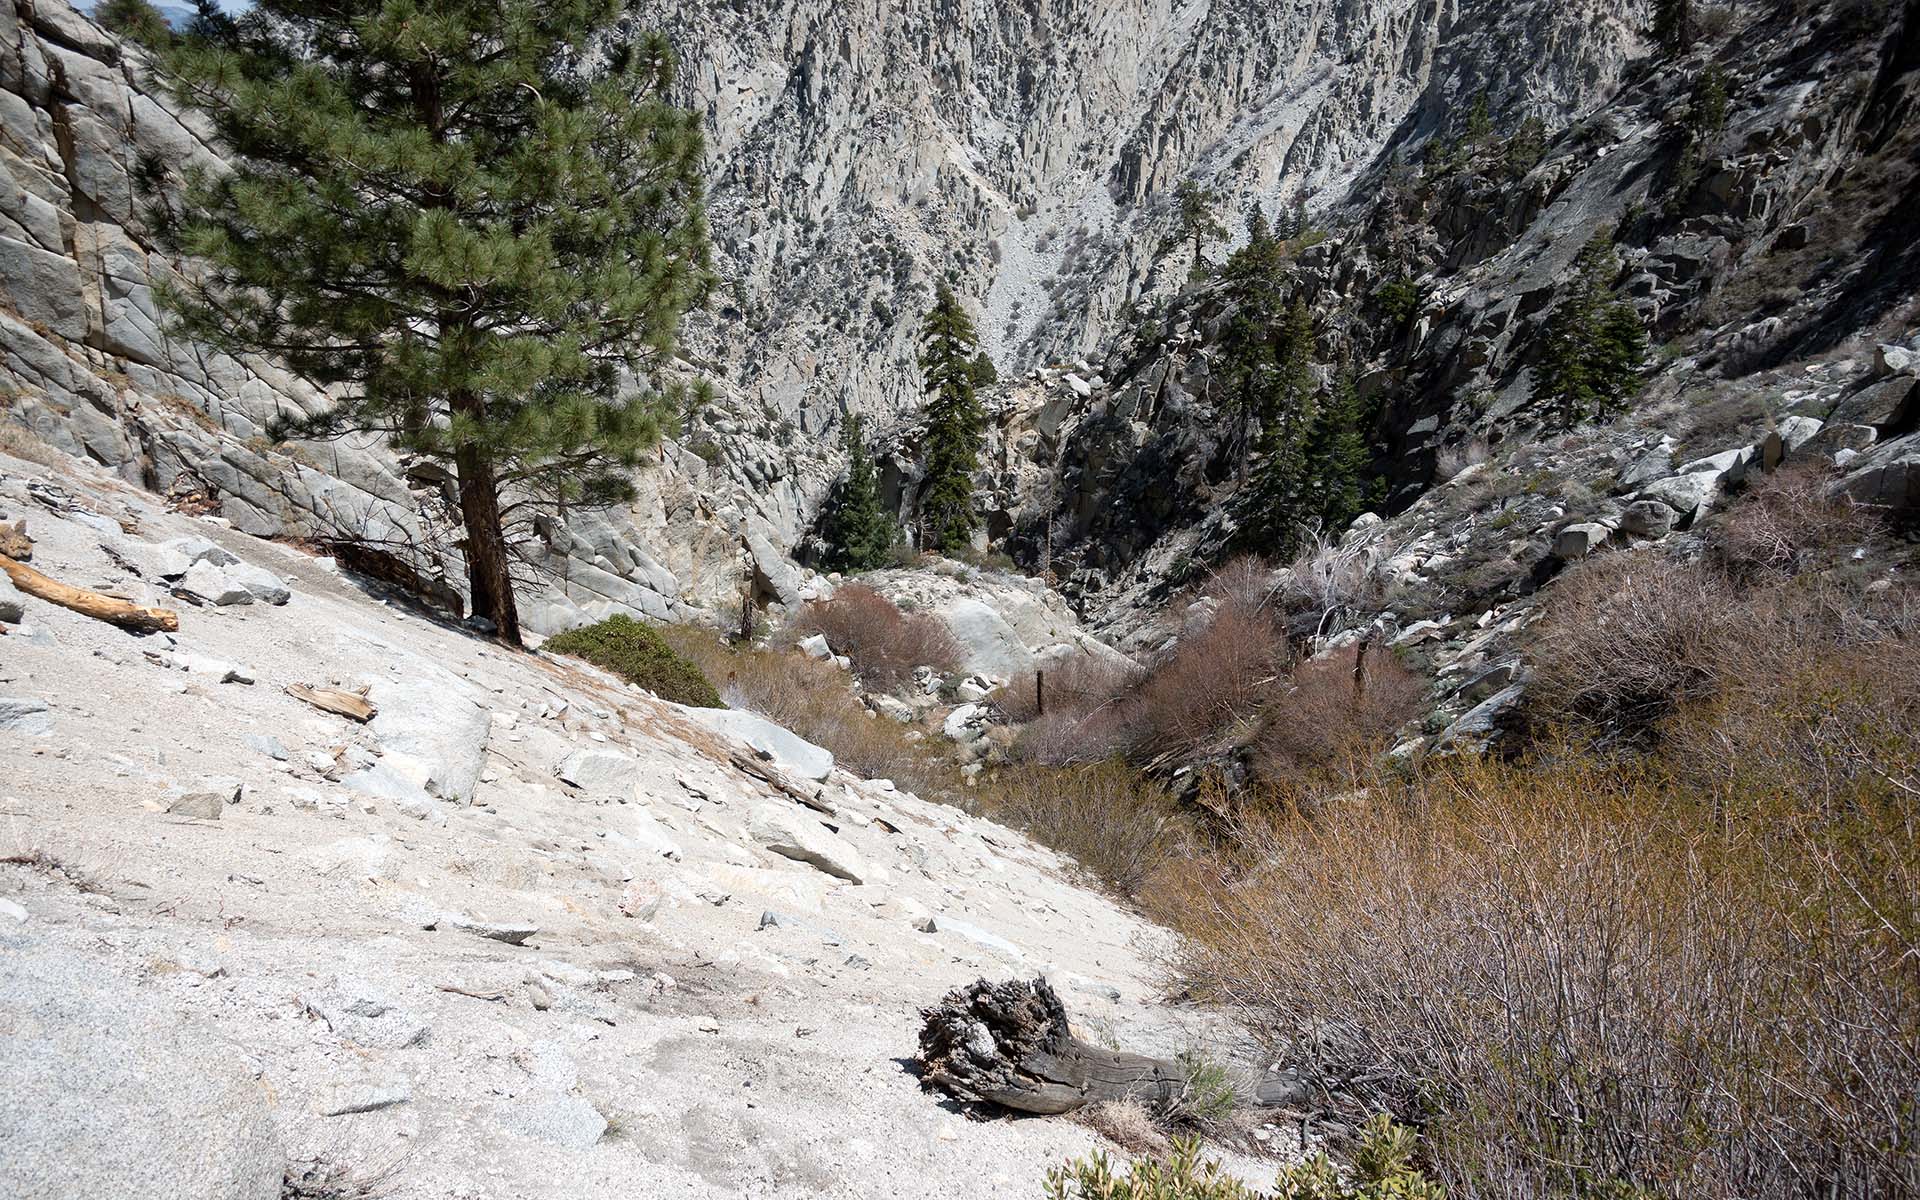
point(198, 806)
point(23, 714)
point(513, 933)
point(212, 585)
point(641, 899)
point(269, 746)
point(9, 909)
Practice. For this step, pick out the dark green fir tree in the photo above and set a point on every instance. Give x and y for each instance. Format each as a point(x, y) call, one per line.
point(1255, 280)
point(955, 425)
point(858, 532)
point(1672, 28)
point(1274, 501)
point(476, 222)
point(1336, 457)
point(1595, 347)
point(1197, 220)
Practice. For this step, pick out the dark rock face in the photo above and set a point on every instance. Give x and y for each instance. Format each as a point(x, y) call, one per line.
point(1748, 249)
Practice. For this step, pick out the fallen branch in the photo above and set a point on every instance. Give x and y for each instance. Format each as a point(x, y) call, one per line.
point(1009, 1044)
point(111, 609)
point(778, 781)
point(350, 705)
point(457, 990)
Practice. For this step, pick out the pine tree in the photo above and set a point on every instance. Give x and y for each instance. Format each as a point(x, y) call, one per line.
point(1196, 220)
point(1673, 26)
point(858, 532)
point(1273, 502)
point(955, 425)
point(1336, 457)
point(465, 218)
point(137, 21)
point(1255, 279)
point(1595, 345)
point(1479, 121)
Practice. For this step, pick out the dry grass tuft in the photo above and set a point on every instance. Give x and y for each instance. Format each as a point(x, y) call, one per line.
point(1127, 1124)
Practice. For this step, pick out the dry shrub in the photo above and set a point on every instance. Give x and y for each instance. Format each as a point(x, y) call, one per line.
point(814, 700)
point(1629, 640)
point(1118, 823)
point(1248, 583)
point(1817, 720)
point(1064, 737)
point(1786, 521)
point(1335, 718)
point(1075, 686)
point(1127, 1124)
point(884, 643)
point(1586, 981)
point(1332, 580)
point(1626, 637)
point(1211, 681)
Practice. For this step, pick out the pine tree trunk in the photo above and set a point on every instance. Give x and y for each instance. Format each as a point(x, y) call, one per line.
point(488, 578)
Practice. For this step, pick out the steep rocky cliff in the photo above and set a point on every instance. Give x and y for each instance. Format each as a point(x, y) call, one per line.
point(1772, 260)
point(1029, 153)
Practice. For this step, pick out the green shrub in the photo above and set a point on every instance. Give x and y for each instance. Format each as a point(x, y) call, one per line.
point(1382, 1170)
point(638, 654)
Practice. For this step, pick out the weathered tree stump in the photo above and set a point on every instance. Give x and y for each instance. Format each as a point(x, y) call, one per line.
point(1008, 1043)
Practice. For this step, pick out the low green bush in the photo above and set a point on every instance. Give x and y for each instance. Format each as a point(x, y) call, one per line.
point(638, 654)
point(1382, 1170)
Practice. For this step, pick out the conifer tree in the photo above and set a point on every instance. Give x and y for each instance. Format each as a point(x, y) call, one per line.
point(955, 425)
point(1197, 220)
point(1255, 278)
point(136, 20)
point(859, 531)
point(1595, 345)
point(1673, 26)
point(1336, 457)
point(1272, 503)
point(1479, 121)
point(465, 218)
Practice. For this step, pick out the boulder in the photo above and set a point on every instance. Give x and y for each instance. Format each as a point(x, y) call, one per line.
point(1888, 475)
point(23, 714)
point(1648, 519)
point(214, 585)
point(1684, 494)
point(792, 833)
point(816, 647)
point(431, 729)
point(785, 748)
point(111, 1093)
point(1482, 726)
point(560, 1120)
point(1895, 360)
point(1577, 541)
point(13, 602)
point(988, 644)
point(598, 772)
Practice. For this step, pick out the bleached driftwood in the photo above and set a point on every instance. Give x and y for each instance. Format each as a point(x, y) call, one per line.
point(110, 609)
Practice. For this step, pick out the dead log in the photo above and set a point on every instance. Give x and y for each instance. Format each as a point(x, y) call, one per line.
point(777, 780)
point(111, 609)
point(350, 705)
point(1009, 1044)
